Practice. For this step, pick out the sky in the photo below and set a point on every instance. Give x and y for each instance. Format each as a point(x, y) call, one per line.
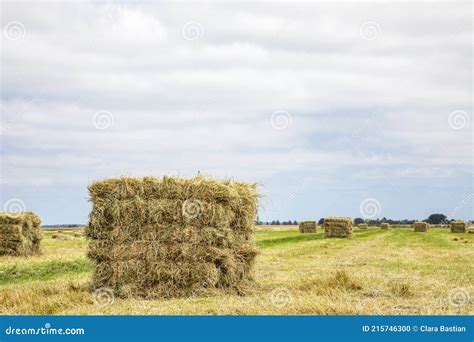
point(334, 109)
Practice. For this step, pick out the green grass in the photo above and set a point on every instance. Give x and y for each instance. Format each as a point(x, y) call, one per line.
point(395, 271)
point(42, 271)
point(284, 238)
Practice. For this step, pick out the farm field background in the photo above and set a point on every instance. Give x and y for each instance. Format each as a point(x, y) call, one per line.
point(376, 272)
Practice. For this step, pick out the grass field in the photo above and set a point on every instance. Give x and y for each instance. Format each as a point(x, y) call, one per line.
point(376, 272)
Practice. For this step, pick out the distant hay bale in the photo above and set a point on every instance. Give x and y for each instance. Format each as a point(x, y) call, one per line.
point(337, 227)
point(307, 227)
point(458, 227)
point(363, 226)
point(172, 237)
point(20, 234)
point(61, 237)
point(420, 226)
point(384, 225)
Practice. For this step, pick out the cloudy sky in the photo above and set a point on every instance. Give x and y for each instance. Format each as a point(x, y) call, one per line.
point(333, 108)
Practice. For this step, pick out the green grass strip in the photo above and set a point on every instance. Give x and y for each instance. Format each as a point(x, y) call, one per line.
point(43, 270)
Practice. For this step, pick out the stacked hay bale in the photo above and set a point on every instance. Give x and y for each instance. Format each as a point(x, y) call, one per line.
point(340, 227)
point(20, 234)
point(307, 227)
point(458, 227)
point(385, 225)
point(171, 237)
point(363, 226)
point(421, 226)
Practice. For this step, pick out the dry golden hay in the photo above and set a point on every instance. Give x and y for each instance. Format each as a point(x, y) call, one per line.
point(420, 226)
point(362, 225)
point(340, 227)
point(384, 225)
point(20, 234)
point(458, 227)
point(307, 227)
point(169, 237)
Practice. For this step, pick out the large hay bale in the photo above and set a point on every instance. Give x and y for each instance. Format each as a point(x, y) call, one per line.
point(458, 227)
point(307, 227)
point(171, 237)
point(362, 226)
point(384, 225)
point(338, 227)
point(420, 226)
point(20, 234)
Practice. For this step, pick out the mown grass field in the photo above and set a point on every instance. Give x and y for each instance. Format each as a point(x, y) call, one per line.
point(376, 272)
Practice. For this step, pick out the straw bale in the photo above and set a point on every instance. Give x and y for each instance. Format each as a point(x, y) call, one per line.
point(420, 226)
point(20, 234)
point(170, 237)
point(339, 227)
point(458, 227)
point(307, 227)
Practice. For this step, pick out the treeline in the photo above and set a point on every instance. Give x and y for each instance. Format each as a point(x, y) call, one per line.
point(432, 219)
point(61, 225)
point(275, 223)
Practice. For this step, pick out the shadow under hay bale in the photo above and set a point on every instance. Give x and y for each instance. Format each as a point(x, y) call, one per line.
point(420, 226)
point(458, 227)
point(20, 234)
point(337, 227)
point(307, 227)
point(384, 225)
point(171, 237)
point(363, 226)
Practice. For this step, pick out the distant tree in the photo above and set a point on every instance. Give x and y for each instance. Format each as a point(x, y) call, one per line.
point(321, 221)
point(295, 222)
point(436, 219)
point(277, 223)
point(358, 220)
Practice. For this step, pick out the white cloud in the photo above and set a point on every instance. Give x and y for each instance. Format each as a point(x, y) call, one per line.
point(184, 105)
